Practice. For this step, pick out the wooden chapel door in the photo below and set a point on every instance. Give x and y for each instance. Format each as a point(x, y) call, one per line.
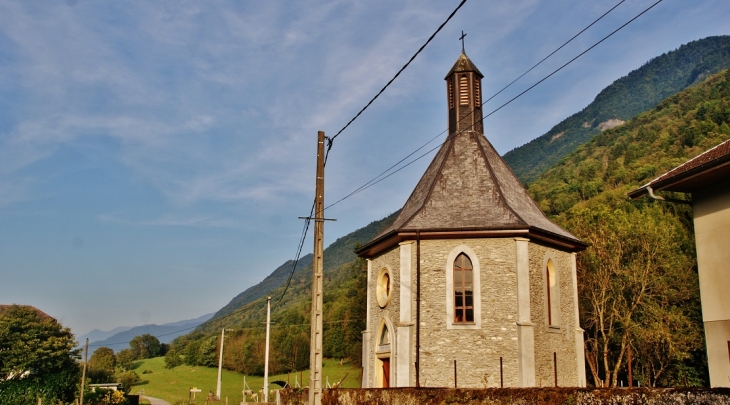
point(386, 372)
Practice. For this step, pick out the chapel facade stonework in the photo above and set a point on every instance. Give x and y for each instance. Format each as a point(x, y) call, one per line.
point(491, 278)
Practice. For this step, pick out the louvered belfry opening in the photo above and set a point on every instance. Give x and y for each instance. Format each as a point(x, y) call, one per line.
point(465, 98)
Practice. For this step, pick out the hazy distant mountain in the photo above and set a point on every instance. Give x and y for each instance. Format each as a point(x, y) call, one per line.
point(118, 338)
point(97, 334)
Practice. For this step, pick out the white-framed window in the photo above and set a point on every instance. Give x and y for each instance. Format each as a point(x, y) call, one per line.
point(463, 273)
point(463, 289)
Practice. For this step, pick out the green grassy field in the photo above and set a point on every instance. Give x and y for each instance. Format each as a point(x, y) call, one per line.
point(173, 385)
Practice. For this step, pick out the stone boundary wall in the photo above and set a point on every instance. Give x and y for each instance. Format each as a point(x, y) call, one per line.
point(513, 396)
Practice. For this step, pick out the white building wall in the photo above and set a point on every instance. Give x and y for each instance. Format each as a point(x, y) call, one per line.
point(712, 236)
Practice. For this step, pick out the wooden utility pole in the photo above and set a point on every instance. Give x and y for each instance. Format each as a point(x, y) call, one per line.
point(220, 366)
point(83, 373)
point(266, 358)
point(315, 356)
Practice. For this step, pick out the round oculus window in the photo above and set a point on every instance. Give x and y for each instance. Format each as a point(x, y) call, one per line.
point(382, 291)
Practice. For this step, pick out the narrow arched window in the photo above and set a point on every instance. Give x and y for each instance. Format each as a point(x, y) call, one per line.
point(552, 294)
point(463, 290)
point(384, 340)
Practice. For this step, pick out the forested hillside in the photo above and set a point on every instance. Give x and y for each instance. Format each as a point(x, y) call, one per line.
point(638, 284)
point(640, 90)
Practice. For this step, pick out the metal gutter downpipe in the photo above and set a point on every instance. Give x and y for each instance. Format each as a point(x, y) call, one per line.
point(418, 309)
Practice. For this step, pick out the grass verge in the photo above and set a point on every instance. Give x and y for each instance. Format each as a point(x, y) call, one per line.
point(173, 385)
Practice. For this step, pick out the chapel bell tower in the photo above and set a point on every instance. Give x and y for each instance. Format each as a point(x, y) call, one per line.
point(464, 92)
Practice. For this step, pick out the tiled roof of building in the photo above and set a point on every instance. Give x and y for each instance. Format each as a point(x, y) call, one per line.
point(705, 169)
point(469, 187)
point(44, 316)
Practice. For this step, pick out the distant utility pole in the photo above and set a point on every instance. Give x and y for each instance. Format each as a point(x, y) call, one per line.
point(83, 374)
point(315, 357)
point(266, 359)
point(220, 366)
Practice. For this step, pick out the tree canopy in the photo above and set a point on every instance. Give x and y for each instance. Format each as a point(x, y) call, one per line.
point(37, 358)
point(145, 346)
point(30, 344)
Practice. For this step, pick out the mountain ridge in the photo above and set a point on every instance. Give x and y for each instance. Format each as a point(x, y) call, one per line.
point(640, 90)
point(119, 340)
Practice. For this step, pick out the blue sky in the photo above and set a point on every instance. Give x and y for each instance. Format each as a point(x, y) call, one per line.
point(155, 155)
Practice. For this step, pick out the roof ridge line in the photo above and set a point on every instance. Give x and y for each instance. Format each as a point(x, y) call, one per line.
point(449, 139)
point(496, 180)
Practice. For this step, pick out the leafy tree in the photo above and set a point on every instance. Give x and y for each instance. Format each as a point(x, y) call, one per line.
point(102, 365)
point(636, 288)
point(37, 357)
point(173, 359)
point(126, 358)
point(145, 346)
point(207, 353)
point(191, 352)
point(128, 379)
point(103, 359)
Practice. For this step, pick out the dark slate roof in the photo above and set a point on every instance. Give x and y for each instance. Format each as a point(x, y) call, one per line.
point(464, 64)
point(468, 187)
point(707, 168)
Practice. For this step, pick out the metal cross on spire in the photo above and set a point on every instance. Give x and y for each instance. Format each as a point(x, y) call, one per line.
point(462, 41)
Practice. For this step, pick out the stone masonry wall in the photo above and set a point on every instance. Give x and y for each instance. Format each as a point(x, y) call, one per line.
point(548, 340)
point(515, 396)
point(391, 312)
point(476, 352)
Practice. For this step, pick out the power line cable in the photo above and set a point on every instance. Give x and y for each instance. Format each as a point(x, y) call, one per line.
point(401, 70)
point(299, 252)
point(572, 60)
point(158, 336)
point(330, 140)
point(555, 51)
point(382, 176)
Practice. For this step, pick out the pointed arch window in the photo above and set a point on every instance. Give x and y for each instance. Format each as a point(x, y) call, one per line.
point(552, 293)
point(463, 290)
point(384, 339)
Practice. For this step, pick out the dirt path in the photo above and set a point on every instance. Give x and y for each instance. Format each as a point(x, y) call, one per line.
point(155, 401)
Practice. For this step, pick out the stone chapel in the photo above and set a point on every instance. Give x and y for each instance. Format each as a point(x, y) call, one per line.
point(472, 282)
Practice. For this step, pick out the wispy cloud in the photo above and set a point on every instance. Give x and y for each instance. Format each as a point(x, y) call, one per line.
point(204, 221)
